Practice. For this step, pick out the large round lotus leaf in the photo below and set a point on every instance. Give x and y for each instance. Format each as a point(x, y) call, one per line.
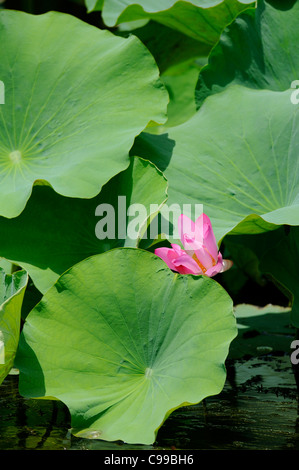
point(12, 290)
point(238, 156)
point(75, 98)
point(62, 231)
point(203, 20)
point(123, 341)
point(259, 50)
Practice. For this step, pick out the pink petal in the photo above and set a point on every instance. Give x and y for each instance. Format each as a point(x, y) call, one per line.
point(167, 255)
point(200, 223)
point(217, 268)
point(186, 265)
point(204, 257)
point(185, 225)
point(190, 233)
point(179, 251)
point(209, 239)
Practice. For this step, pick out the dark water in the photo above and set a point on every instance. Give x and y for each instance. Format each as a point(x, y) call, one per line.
point(257, 410)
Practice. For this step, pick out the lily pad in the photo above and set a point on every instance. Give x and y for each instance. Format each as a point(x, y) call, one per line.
point(12, 289)
point(238, 156)
point(75, 98)
point(179, 58)
point(123, 342)
point(62, 231)
point(203, 20)
point(7, 266)
point(257, 50)
point(169, 47)
point(180, 82)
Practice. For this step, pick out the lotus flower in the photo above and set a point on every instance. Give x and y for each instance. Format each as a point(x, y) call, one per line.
point(200, 255)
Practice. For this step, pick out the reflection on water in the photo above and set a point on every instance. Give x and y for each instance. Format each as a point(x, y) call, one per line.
point(256, 410)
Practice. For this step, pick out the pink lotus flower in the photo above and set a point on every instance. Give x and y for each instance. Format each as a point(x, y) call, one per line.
point(200, 255)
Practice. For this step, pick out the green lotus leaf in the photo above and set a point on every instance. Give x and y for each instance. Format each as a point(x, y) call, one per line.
point(62, 231)
point(6, 265)
point(169, 47)
point(12, 289)
point(238, 156)
point(258, 50)
point(92, 5)
point(203, 20)
point(180, 82)
point(123, 342)
point(179, 58)
point(75, 98)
